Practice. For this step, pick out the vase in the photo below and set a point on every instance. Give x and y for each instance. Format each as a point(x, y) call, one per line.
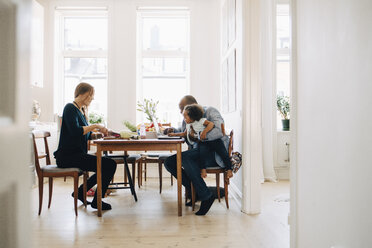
point(285, 124)
point(36, 111)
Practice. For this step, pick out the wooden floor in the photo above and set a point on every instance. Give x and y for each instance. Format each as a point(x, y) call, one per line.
point(153, 221)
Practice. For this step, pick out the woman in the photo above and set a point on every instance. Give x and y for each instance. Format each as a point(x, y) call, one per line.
point(75, 133)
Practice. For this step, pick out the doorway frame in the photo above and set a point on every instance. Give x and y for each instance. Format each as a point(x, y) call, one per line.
point(251, 200)
point(292, 218)
point(252, 142)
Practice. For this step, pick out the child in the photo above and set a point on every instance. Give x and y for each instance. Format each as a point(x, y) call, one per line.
point(193, 115)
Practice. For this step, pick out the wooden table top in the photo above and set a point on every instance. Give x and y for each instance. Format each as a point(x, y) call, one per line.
point(140, 141)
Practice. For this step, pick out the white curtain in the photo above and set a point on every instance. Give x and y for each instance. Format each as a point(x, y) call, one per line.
point(267, 74)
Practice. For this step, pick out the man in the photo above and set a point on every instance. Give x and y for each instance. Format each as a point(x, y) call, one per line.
point(190, 168)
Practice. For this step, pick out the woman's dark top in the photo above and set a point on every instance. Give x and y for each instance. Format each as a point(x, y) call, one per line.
point(71, 139)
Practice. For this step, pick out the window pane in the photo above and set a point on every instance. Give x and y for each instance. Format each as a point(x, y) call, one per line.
point(283, 78)
point(164, 67)
point(168, 92)
point(86, 66)
point(283, 26)
point(89, 70)
point(164, 79)
point(85, 33)
point(165, 33)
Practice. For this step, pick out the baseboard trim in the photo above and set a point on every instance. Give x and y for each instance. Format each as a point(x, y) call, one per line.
point(270, 179)
point(282, 173)
point(236, 194)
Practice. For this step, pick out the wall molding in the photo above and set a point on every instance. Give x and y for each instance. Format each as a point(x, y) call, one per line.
point(236, 194)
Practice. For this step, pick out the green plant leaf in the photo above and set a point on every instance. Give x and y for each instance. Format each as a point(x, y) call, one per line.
point(283, 106)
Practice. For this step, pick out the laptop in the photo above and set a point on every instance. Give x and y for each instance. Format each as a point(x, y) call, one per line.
point(159, 134)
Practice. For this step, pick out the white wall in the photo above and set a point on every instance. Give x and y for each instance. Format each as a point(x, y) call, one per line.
point(205, 52)
point(334, 120)
point(44, 95)
point(283, 157)
point(204, 55)
point(234, 120)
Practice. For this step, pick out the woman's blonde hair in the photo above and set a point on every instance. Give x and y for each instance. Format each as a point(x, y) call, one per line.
point(83, 88)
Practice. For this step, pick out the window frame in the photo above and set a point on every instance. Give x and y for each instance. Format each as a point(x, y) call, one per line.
point(61, 54)
point(280, 52)
point(159, 54)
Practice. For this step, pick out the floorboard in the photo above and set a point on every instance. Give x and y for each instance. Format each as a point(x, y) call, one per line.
point(153, 221)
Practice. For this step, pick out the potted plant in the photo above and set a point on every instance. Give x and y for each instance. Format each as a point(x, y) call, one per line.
point(282, 103)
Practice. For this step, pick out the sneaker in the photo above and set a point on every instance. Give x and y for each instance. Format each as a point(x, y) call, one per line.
point(105, 206)
point(205, 206)
point(81, 198)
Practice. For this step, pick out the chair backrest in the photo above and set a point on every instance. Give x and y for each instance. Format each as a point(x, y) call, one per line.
point(223, 129)
point(166, 124)
point(59, 122)
point(37, 134)
point(231, 136)
point(231, 142)
point(163, 124)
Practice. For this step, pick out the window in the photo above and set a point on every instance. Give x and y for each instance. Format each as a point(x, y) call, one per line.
point(82, 56)
point(163, 62)
point(282, 53)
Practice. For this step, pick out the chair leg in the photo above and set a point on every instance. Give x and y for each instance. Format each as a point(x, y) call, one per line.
point(125, 176)
point(193, 196)
point(171, 180)
point(64, 179)
point(76, 182)
point(226, 186)
point(186, 193)
point(139, 172)
point(218, 186)
point(41, 186)
point(145, 172)
point(50, 190)
point(85, 178)
point(160, 176)
point(133, 173)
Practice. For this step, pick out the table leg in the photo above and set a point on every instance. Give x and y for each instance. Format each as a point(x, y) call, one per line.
point(179, 179)
point(99, 181)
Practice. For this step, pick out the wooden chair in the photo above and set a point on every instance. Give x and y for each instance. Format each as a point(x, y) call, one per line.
point(217, 170)
point(51, 171)
point(132, 159)
point(156, 158)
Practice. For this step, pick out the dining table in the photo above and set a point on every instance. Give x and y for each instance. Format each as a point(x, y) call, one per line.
point(126, 145)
